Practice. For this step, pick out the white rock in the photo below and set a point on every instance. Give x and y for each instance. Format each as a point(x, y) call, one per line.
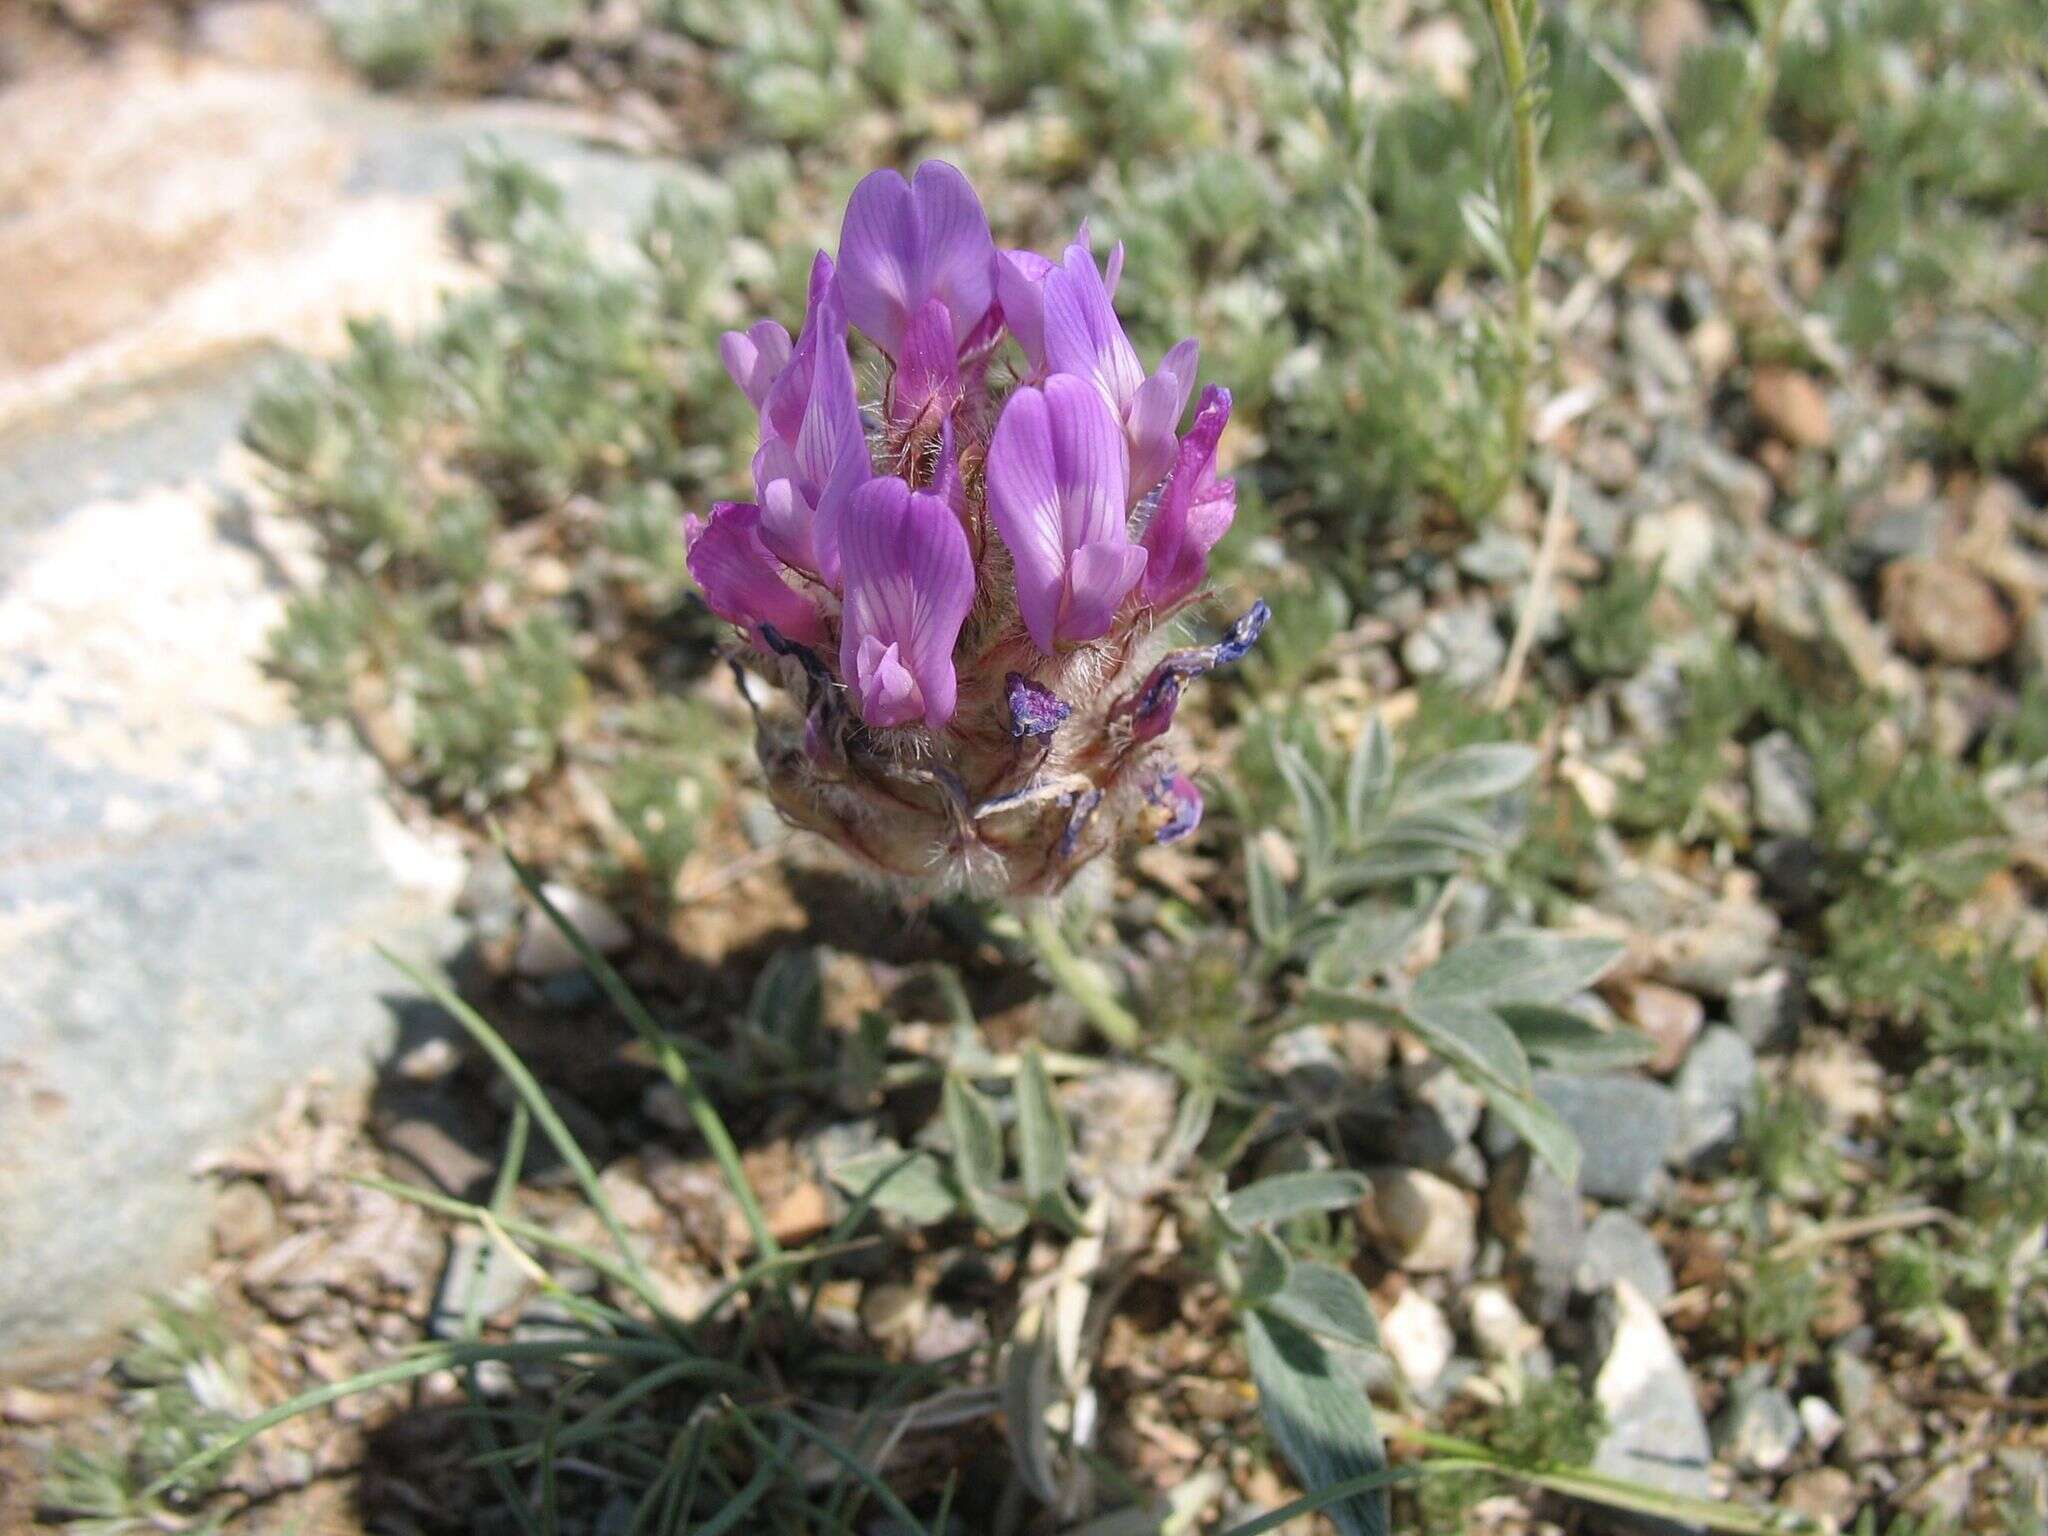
point(542, 949)
point(1823, 1425)
point(1656, 1433)
point(1422, 1223)
point(1678, 542)
point(1418, 1336)
point(1497, 1325)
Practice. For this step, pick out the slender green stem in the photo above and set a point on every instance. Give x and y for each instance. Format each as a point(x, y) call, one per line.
point(1522, 237)
point(1079, 980)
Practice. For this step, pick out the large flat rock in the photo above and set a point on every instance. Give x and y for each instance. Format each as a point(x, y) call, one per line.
point(191, 881)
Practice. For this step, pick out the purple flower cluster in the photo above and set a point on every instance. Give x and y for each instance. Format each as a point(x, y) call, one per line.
point(966, 584)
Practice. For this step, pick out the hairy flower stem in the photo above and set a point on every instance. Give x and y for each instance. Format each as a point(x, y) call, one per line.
point(1522, 237)
point(1078, 979)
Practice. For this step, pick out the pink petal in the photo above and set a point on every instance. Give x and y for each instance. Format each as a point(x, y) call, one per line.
point(1082, 333)
point(754, 357)
point(1099, 577)
point(1058, 478)
point(1194, 511)
point(1154, 416)
point(739, 577)
point(787, 514)
point(782, 411)
point(929, 372)
point(1020, 289)
point(909, 583)
point(905, 243)
point(814, 445)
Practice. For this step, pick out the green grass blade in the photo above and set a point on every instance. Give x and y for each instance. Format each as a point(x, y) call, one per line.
point(668, 1055)
point(536, 1100)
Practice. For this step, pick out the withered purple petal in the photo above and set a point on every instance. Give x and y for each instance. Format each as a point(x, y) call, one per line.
point(1150, 709)
point(1035, 710)
point(1176, 794)
point(1077, 821)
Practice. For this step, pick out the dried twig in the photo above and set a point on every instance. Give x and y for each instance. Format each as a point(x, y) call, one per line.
point(1547, 552)
point(1856, 1228)
point(1717, 246)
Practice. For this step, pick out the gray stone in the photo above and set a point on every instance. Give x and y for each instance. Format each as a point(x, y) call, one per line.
point(1460, 644)
point(1781, 786)
point(1714, 1088)
point(1428, 1125)
point(1656, 1434)
point(1538, 1217)
point(191, 880)
point(1879, 1426)
point(1619, 1248)
point(1655, 346)
point(1758, 1429)
point(1709, 948)
point(1653, 701)
point(1737, 484)
point(1898, 532)
point(491, 1289)
point(1496, 556)
point(1626, 1127)
point(1767, 1009)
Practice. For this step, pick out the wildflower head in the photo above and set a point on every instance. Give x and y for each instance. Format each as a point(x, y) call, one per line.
point(964, 589)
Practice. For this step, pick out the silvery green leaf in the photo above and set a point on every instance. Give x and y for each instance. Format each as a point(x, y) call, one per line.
point(1262, 1265)
point(1482, 227)
point(977, 1138)
point(1391, 863)
point(1029, 1389)
point(1523, 966)
point(1268, 895)
point(1538, 1124)
point(1322, 1422)
point(1287, 1195)
point(1191, 1120)
point(1571, 1042)
point(907, 1184)
point(1472, 1038)
point(1312, 804)
point(1445, 826)
point(788, 1000)
point(1369, 776)
point(1329, 1005)
point(998, 1213)
point(1369, 940)
point(1041, 1131)
point(1468, 774)
point(1327, 1301)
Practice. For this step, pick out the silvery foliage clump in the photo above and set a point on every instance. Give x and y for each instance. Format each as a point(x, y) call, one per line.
point(1375, 850)
point(965, 589)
